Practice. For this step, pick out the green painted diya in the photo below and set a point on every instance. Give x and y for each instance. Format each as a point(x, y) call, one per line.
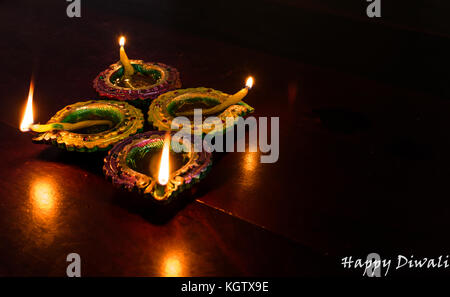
point(126, 120)
point(163, 109)
point(134, 163)
point(148, 82)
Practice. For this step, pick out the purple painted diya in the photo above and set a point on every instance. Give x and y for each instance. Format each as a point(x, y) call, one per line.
point(148, 82)
point(133, 164)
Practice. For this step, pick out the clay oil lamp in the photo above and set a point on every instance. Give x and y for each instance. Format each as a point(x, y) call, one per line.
point(212, 103)
point(136, 81)
point(156, 165)
point(94, 125)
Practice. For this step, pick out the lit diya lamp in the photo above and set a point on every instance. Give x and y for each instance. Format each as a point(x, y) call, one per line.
point(156, 166)
point(185, 103)
point(136, 81)
point(85, 126)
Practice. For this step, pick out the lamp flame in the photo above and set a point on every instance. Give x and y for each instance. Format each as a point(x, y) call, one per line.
point(163, 175)
point(122, 41)
point(249, 83)
point(27, 119)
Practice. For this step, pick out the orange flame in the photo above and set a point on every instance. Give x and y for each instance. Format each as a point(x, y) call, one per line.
point(122, 40)
point(163, 175)
point(27, 118)
point(249, 82)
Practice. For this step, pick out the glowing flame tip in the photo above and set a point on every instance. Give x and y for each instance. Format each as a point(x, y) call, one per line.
point(163, 175)
point(249, 83)
point(122, 41)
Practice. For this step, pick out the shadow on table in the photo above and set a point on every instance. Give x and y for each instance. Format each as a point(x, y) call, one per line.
point(91, 162)
point(340, 120)
point(153, 212)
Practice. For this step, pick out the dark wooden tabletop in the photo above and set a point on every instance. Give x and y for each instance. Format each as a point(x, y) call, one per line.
point(364, 150)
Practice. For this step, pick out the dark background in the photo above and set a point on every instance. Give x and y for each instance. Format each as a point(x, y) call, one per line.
point(363, 106)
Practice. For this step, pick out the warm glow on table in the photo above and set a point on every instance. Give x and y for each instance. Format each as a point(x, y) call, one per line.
point(172, 266)
point(43, 198)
